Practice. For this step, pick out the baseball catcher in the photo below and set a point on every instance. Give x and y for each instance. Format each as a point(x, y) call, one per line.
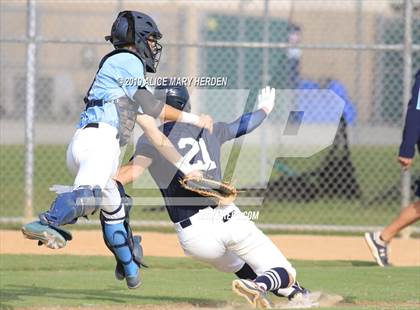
point(116, 99)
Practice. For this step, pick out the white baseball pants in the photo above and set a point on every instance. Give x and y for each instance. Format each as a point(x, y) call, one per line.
point(93, 157)
point(225, 238)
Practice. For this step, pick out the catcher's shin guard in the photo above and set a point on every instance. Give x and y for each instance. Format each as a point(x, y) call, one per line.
point(120, 241)
point(69, 206)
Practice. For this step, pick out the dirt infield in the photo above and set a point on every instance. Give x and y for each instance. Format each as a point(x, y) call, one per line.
point(404, 252)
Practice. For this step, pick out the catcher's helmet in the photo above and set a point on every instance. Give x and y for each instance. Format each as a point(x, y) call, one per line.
point(137, 28)
point(175, 96)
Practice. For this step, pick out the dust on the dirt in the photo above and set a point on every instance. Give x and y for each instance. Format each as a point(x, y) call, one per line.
point(311, 300)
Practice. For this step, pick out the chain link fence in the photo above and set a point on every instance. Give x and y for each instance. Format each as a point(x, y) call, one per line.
point(366, 52)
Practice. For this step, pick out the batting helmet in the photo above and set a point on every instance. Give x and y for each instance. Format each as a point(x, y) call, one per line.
point(137, 28)
point(175, 96)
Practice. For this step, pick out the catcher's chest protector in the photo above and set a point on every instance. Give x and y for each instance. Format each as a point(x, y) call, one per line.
point(127, 114)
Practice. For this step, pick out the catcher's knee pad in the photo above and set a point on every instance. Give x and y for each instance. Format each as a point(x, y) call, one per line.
point(121, 212)
point(68, 207)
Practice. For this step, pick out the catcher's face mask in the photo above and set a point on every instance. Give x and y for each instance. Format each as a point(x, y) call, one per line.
point(155, 49)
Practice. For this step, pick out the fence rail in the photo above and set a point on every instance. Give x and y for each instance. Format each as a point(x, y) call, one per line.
point(215, 44)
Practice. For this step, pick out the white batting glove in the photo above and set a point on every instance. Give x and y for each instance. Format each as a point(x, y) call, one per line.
point(266, 99)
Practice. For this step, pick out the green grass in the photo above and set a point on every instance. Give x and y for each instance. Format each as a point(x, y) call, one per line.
point(46, 281)
point(376, 171)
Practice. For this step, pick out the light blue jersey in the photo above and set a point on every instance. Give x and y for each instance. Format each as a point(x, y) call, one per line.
point(120, 76)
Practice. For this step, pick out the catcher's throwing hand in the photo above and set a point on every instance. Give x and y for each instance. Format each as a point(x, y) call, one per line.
point(221, 192)
point(266, 99)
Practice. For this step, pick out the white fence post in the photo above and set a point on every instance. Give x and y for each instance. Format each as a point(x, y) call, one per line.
point(407, 58)
point(30, 105)
point(265, 81)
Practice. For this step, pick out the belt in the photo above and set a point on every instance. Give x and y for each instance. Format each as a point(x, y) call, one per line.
point(187, 222)
point(99, 102)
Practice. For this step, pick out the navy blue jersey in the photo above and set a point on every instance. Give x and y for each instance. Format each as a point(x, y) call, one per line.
point(202, 150)
point(411, 133)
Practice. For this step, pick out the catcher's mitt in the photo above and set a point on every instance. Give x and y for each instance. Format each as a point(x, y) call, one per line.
point(221, 192)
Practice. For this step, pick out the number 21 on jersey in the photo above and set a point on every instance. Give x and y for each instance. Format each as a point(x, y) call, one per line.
point(206, 164)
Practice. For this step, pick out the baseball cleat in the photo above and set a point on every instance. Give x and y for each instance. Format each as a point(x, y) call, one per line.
point(292, 292)
point(46, 235)
point(297, 291)
point(378, 248)
point(256, 296)
point(299, 297)
point(133, 281)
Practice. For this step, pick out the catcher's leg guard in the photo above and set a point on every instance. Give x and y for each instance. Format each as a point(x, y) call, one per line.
point(120, 241)
point(127, 250)
point(68, 207)
point(117, 239)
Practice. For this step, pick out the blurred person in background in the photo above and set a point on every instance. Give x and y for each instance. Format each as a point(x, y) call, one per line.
point(378, 242)
point(294, 55)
